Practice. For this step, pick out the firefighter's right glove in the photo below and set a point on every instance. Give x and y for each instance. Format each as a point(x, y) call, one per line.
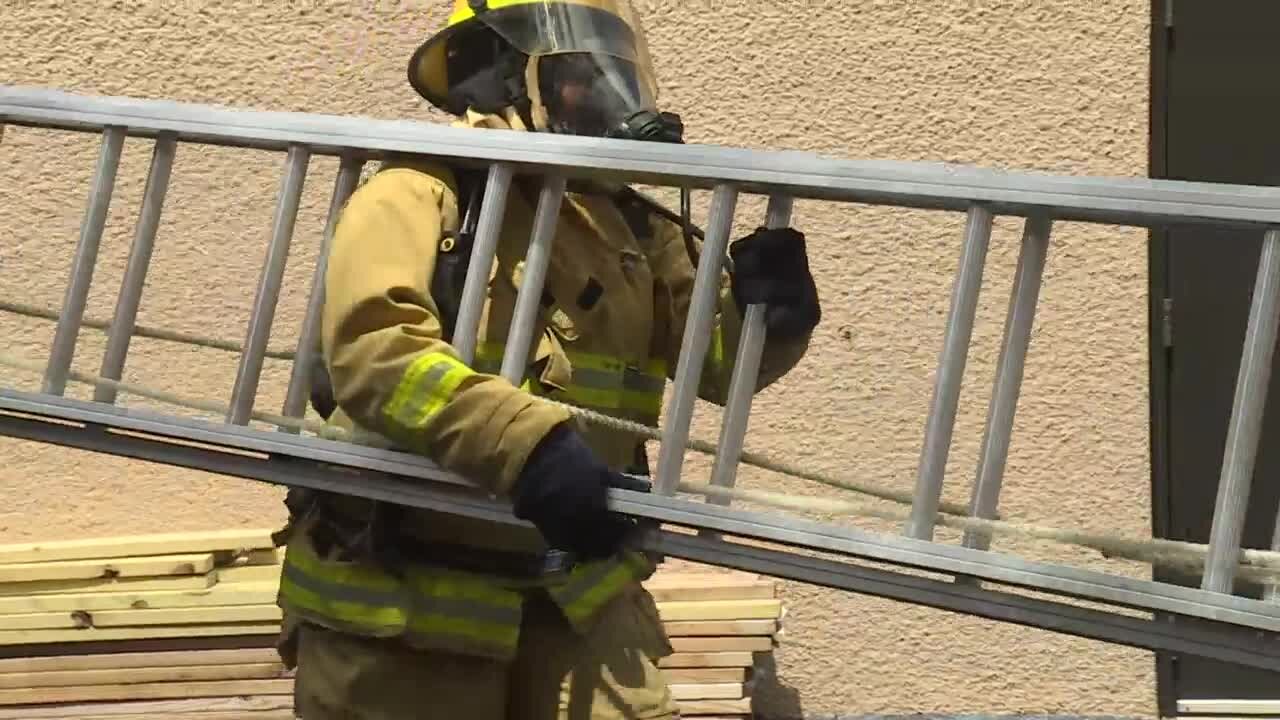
point(562, 491)
point(771, 267)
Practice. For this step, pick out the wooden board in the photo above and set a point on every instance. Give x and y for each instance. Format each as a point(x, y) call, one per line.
point(239, 707)
point(193, 564)
point(114, 661)
point(134, 676)
point(707, 660)
point(675, 587)
point(703, 675)
point(188, 616)
point(247, 574)
point(268, 557)
point(233, 715)
point(721, 644)
point(715, 707)
point(155, 544)
point(260, 639)
point(688, 628)
point(151, 691)
point(105, 585)
point(96, 634)
point(240, 594)
point(149, 617)
point(706, 691)
point(720, 610)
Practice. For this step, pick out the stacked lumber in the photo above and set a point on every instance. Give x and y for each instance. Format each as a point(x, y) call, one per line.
point(718, 625)
point(184, 625)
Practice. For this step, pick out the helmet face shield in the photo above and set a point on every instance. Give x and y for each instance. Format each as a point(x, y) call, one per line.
point(593, 64)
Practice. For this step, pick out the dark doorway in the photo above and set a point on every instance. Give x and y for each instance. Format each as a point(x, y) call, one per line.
point(1216, 118)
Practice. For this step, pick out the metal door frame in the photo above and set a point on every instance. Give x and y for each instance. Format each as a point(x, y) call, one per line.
point(1159, 352)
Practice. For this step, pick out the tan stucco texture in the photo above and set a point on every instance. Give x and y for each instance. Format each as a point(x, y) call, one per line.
point(1052, 86)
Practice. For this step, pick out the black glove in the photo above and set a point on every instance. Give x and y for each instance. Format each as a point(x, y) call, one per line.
point(770, 266)
point(562, 491)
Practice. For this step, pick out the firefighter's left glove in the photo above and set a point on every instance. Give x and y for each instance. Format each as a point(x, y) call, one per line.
point(562, 490)
point(771, 266)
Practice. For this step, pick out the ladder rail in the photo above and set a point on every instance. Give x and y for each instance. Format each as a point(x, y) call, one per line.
point(1210, 639)
point(1137, 202)
point(397, 477)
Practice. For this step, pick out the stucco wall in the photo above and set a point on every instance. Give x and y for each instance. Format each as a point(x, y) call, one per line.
point(1056, 86)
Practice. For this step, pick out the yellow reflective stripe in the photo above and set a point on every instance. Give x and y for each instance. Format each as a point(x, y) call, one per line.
point(377, 620)
point(715, 353)
point(457, 588)
point(462, 8)
point(426, 388)
point(489, 358)
point(368, 601)
point(390, 621)
point(358, 577)
point(614, 399)
point(600, 382)
point(590, 586)
point(366, 584)
point(503, 637)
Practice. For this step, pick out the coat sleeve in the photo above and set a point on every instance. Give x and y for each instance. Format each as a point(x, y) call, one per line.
point(673, 277)
point(391, 370)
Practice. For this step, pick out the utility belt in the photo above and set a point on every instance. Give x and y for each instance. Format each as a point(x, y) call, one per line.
point(377, 540)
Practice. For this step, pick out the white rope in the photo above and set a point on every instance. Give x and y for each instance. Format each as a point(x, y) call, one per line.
point(176, 336)
point(1256, 565)
point(746, 456)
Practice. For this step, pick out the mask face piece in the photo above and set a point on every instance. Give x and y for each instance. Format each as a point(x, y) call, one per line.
point(592, 94)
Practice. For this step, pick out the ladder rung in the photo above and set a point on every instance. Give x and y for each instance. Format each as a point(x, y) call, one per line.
point(474, 290)
point(268, 294)
point(135, 274)
point(1245, 430)
point(86, 258)
point(295, 401)
point(746, 374)
point(696, 339)
point(946, 391)
point(1008, 383)
point(532, 279)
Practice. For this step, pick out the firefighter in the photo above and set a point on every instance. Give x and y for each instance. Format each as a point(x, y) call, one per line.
point(393, 612)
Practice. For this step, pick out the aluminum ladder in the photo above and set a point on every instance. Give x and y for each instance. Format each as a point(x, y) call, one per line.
point(975, 580)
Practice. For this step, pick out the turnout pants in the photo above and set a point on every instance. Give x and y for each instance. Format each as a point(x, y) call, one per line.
point(609, 674)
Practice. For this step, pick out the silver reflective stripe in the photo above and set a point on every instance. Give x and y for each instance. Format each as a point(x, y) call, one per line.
point(629, 379)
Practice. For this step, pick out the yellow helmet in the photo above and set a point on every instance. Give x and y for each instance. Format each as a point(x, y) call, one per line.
point(584, 62)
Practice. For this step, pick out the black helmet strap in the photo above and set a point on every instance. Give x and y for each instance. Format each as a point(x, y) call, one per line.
point(491, 75)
